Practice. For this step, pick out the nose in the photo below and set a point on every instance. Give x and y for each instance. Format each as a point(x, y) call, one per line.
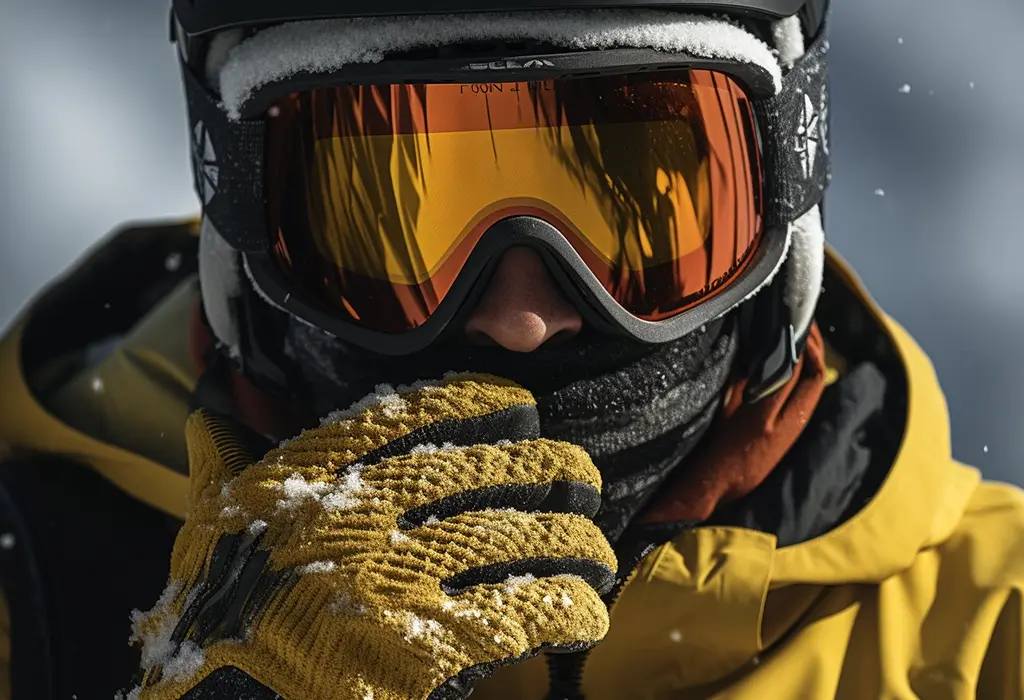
point(522, 307)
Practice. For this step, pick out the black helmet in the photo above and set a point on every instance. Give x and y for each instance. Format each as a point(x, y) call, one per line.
point(197, 18)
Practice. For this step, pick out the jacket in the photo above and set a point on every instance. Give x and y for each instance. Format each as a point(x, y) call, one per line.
point(869, 565)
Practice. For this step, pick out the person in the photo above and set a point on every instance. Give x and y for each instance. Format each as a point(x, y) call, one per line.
point(507, 357)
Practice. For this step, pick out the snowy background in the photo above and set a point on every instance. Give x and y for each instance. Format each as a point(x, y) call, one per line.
point(92, 132)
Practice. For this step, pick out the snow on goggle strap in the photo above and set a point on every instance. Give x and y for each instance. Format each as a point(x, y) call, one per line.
point(227, 155)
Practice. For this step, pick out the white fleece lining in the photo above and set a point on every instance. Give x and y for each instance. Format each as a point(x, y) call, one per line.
point(328, 45)
point(221, 283)
point(789, 39)
point(806, 268)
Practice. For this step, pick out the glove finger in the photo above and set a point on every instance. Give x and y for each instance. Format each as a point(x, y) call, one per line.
point(475, 549)
point(408, 491)
point(461, 410)
point(531, 475)
point(561, 611)
point(505, 623)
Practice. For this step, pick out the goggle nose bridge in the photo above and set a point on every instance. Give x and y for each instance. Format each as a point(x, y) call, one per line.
point(560, 259)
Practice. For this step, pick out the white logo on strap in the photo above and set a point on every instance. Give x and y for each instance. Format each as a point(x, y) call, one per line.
point(809, 137)
point(204, 160)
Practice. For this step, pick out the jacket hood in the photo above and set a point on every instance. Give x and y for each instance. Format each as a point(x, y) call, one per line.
point(700, 610)
point(920, 501)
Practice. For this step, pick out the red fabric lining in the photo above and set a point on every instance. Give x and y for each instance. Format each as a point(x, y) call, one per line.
point(746, 444)
point(276, 418)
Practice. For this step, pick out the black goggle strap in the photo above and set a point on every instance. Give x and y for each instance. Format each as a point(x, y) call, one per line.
point(227, 167)
point(797, 171)
point(795, 124)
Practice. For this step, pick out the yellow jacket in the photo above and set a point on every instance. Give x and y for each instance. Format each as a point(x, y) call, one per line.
point(918, 595)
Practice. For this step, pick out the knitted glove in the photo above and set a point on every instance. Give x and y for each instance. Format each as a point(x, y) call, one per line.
point(404, 549)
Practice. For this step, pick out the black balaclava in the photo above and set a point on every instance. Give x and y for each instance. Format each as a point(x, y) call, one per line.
point(637, 409)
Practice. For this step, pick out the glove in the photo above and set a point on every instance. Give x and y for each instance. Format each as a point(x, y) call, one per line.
point(404, 549)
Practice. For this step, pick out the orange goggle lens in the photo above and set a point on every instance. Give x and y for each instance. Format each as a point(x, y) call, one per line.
point(379, 193)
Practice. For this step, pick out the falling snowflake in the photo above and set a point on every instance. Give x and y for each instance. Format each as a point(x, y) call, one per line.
point(899, 40)
point(905, 90)
point(7, 541)
point(97, 385)
point(879, 192)
point(172, 262)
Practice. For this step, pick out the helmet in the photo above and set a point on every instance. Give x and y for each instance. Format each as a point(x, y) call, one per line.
point(201, 18)
point(255, 275)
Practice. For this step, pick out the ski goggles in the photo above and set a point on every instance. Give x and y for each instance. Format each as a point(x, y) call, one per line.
point(389, 197)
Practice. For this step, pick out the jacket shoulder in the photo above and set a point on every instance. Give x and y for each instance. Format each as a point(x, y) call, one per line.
point(991, 536)
point(100, 299)
point(98, 366)
point(116, 281)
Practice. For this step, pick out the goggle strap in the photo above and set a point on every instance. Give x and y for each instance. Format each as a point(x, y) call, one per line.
point(227, 167)
point(769, 347)
point(795, 125)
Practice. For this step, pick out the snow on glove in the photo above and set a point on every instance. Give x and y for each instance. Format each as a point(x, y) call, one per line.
point(404, 549)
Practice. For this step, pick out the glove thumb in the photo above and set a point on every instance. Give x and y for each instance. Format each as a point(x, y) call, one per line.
point(218, 450)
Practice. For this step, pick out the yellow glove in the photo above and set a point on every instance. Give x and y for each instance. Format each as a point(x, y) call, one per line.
point(404, 549)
